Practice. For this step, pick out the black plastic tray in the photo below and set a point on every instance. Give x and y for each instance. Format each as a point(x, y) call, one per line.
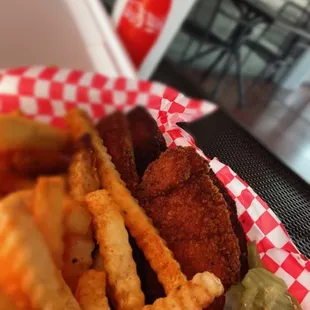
point(286, 194)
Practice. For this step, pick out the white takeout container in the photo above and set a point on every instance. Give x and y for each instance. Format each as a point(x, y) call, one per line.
point(67, 33)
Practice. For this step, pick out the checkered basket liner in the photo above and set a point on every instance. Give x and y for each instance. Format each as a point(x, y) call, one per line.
point(46, 93)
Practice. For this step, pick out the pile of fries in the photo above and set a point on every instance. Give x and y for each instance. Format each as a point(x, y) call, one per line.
point(61, 197)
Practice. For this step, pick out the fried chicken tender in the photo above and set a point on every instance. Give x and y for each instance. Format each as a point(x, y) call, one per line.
point(36, 162)
point(138, 224)
point(148, 141)
point(238, 230)
point(114, 131)
point(191, 214)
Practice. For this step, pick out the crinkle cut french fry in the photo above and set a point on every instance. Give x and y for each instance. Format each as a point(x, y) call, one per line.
point(83, 177)
point(18, 132)
point(111, 234)
point(77, 218)
point(6, 303)
point(91, 291)
point(77, 258)
point(192, 295)
point(153, 246)
point(26, 197)
point(98, 263)
point(31, 267)
point(48, 214)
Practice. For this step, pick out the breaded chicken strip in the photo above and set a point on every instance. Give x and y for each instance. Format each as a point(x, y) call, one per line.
point(191, 214)
point(148, 141)
point(116, 137)
point(238, 230)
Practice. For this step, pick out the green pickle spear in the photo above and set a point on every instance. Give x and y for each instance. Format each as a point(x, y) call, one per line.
point(260, 289)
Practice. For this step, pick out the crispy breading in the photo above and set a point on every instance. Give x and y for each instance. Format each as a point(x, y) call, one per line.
point(238, 230)
point(38, 162)
point(191, 214)
point(82, 176)
point(91, 291)
point(32, 279)
point(139, 225)
point(192, 295)
point(111, 234)
point(148, 141)
point(48, 214)
point(114, 131)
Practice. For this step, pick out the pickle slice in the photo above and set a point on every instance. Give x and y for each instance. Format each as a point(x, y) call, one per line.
point(261, 290)
point(253, 256)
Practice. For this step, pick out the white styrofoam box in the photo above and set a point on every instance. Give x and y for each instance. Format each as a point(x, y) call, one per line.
point(66, 33)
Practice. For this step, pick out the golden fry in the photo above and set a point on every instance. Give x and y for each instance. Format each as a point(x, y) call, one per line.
point(140, 227)
point(18, 113)
point(26, 197)
point(114, 247)
point(98, 263)
point(83, 177)
point(77, 218)
point(192, 295)
point(32, 275)
point(91, 291)
point(18, 132)
point(77, 258)
point(48, 214)
point(6, 303)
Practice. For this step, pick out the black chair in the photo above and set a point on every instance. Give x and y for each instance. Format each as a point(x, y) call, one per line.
point(201, 32)
point(278, 47)
point(229, 48)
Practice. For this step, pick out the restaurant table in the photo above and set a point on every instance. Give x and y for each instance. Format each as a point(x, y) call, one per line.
point(265, 12)
point(286, 194)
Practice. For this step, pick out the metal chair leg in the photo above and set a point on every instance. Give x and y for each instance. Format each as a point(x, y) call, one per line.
point(224, 72)
point(185, 49)
point(239, 79)
point(199, 55)
point(208, 71)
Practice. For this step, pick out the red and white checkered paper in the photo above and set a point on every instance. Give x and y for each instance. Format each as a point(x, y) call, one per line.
point(46, 94)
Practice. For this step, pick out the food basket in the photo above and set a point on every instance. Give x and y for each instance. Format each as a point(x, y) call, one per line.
point(46, 93)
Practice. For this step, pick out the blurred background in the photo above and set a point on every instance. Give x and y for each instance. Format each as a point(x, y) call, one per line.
point(251, 58)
